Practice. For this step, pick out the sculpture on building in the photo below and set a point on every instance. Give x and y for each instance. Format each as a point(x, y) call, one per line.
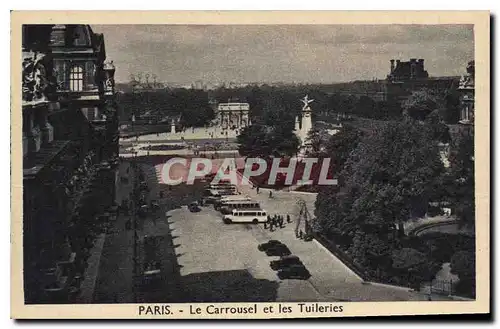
point(467, 81)
point(37, 83)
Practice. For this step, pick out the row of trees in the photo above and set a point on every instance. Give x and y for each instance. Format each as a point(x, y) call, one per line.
point(191, 105)
point(328, 101)
point(388, 176)
point(266, 101)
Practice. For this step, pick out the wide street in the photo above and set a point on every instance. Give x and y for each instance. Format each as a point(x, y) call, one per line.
point(221, 262)
point(205, 260)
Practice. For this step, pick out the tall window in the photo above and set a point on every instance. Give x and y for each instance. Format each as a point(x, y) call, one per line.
point(76, 78)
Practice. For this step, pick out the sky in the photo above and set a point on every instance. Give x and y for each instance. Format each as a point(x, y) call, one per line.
point(183, 54)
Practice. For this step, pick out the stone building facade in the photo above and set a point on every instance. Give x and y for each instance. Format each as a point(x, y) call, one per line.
point(407, 76)
point(69, 155)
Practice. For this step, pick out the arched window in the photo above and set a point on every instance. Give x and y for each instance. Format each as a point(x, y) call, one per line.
point(76, 78)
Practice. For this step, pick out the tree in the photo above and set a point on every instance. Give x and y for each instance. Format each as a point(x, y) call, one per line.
point(386, 180)
point(423, 102)
point(266, 141)
point(461, 178)
point(317, 139)
point(365, 107)
point(414, 265)
point(340, 145)
point(463, 264)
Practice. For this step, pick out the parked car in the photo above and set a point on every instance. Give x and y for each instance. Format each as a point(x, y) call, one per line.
point(194, 207)
point(295, 271)
point(278, 250)
point(270, 243)
point(284, 262)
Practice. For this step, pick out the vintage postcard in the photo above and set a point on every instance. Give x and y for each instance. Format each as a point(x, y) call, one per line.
point(249, 165)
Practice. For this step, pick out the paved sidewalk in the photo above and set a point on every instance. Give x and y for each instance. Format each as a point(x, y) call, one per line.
point(331, 278)
point(114, 282)
point(189, 134)
point(87, 287)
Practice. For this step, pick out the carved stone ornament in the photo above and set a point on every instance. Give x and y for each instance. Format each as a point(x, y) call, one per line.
point(36, 78)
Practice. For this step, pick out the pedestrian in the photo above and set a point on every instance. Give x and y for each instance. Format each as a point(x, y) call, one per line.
point(281, 221)
point(258, 189)
point(270, 194)
point(271, 224)
point(288, 219)
point(301, 234)
point(265, 223)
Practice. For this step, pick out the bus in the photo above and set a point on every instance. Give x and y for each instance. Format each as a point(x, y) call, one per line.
point(246, 216)
point(218, 187)
point(228, 206)
point(227, 198)
point(212, 196)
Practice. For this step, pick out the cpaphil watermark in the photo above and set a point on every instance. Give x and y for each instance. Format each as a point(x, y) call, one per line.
point(276, 171)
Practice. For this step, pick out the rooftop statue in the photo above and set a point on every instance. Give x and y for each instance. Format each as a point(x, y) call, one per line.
point(306, 101)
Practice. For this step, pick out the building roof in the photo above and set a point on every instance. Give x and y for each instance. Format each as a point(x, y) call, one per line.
point(76, 39)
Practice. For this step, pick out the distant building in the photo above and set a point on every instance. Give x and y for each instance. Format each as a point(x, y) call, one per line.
point(406, 77)
point(410, 70)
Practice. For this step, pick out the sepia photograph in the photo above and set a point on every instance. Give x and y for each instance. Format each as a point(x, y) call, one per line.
point(219, 168)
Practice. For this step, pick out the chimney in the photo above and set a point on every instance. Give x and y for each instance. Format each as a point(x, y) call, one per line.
point(392, 66)
point(421, 64)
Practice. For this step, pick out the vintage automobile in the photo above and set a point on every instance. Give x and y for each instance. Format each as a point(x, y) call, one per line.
point(194, 207)
point(285, 261)
point(296, 271)
point(278, 250)
point(268, 244)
